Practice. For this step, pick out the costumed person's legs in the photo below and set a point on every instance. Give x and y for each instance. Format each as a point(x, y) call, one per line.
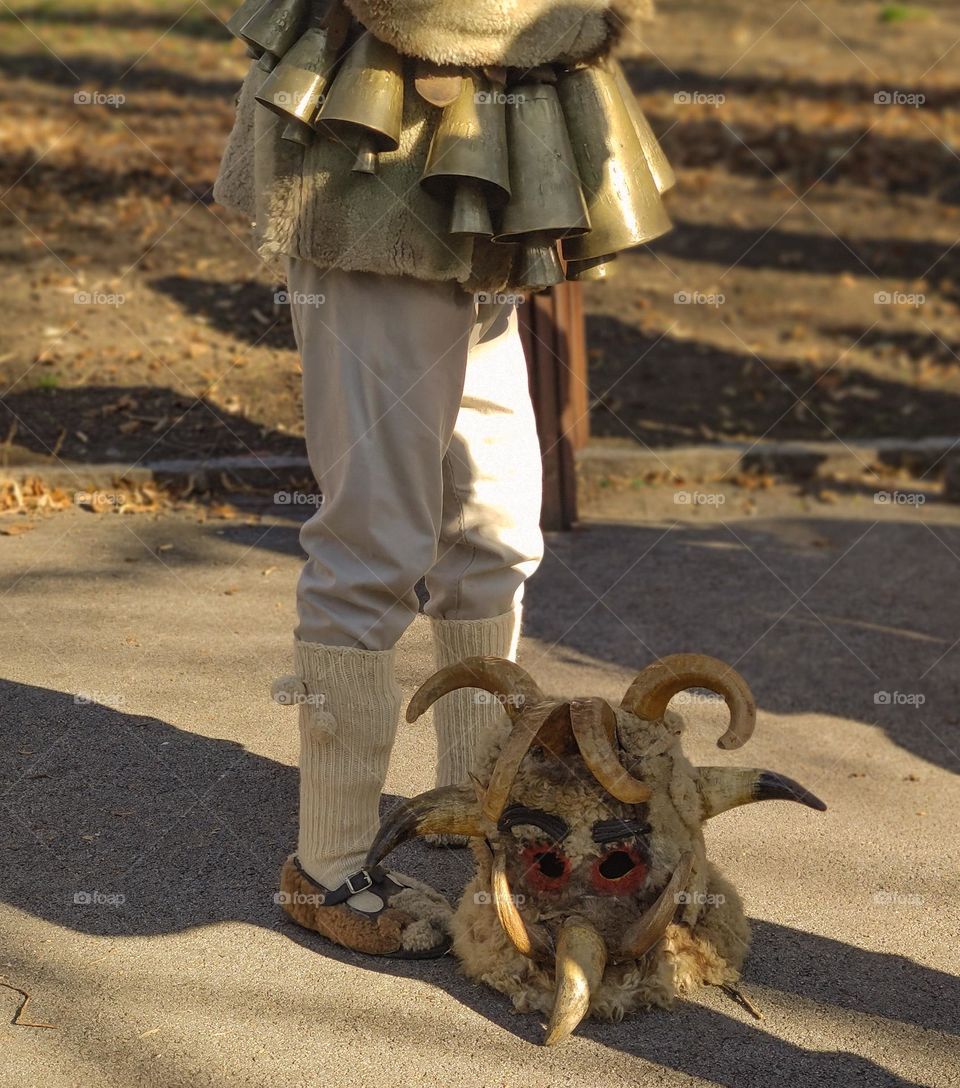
point(490, 540)
point(384, 361)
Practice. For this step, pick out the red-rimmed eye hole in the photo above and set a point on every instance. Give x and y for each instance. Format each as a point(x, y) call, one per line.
point(545, 867)
point(619, 872)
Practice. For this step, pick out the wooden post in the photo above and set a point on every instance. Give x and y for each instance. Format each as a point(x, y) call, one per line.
point(554, 338)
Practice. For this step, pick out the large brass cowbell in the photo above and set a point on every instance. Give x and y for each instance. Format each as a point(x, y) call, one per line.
point(274, 29)
point(622, 196)
point(656, 158)
point(467, 164)
point(295, 88)
point(547, 202)
point(365, 101)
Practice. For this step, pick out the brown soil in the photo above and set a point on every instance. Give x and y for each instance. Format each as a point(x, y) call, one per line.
point(799, 199)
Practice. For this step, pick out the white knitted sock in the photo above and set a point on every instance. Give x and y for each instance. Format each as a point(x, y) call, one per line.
point(348, 721)
point(460, 717)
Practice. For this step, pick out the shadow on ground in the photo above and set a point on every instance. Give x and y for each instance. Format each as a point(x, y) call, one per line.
point(122, 806)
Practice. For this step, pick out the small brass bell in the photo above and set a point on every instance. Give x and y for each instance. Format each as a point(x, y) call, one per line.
point(538, 266)
point(365, 101)
point(239, 19)
point(546, 201)
point(657, 160)
point(622, 196)
point(467, 164)
point(274, 29)
point(297, 85)
point(298, 132)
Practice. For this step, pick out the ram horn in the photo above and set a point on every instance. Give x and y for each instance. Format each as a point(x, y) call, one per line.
point(644, 933)
point(449, 810)
point(723, 788)
point(531, 941)
point(594, 723)
point(580, 963)
point(526, 729)
point(497, 675)
point(656, 685)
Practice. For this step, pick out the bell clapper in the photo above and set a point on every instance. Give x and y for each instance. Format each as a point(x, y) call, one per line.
point(367, 159)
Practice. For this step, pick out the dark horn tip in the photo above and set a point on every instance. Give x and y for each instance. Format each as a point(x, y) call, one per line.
point(777, 787)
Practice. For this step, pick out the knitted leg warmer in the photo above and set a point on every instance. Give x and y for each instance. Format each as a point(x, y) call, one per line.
point(460, 717)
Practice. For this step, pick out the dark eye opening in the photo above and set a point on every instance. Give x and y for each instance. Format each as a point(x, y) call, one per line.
point(620, 871)
point(551, 865)
point(616, 865)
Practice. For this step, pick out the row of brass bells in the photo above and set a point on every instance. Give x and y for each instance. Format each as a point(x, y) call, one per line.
point(623, 197)
point(294, 90)
point(467, 164)
point(547, 202)
point(273, 29)
point(364, 104)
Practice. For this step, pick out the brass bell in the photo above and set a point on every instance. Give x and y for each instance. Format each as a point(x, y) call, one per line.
point(547, 201)
point(537, 266)
point(656, 158)
point(298, 132)
point(467, 164)
point(622, 196)
point(239, 19)
point(297, 85)
point(597, 268)
point(274, 29)
point(365, 101)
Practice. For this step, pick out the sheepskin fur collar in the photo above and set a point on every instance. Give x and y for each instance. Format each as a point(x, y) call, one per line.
point(516, 33)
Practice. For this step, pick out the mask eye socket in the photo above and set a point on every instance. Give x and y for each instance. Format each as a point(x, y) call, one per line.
point(545, 867)
point(621, 870)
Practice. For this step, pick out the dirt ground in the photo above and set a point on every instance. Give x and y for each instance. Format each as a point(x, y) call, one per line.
point(801, 198)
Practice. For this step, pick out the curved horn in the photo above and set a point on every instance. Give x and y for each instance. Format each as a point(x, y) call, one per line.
point(449, 810)
point(494, 674)
point(644, 933)
point(530, 941)
point(594, 724)
point(656, 685)
point(723, 788)
point(581, 961)
point(515, 747)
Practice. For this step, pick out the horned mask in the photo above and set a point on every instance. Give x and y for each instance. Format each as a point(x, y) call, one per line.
point(592, 893)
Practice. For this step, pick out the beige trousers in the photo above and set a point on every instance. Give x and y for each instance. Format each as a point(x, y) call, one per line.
point(421, 434)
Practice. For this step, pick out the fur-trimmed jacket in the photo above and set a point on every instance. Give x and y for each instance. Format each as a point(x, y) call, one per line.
point(307, 203)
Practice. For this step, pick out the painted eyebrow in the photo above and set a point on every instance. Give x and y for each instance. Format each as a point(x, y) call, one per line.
point(605, 831)
point(518, 815)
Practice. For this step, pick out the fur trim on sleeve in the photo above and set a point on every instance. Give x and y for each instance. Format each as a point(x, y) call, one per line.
point(516, 33)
